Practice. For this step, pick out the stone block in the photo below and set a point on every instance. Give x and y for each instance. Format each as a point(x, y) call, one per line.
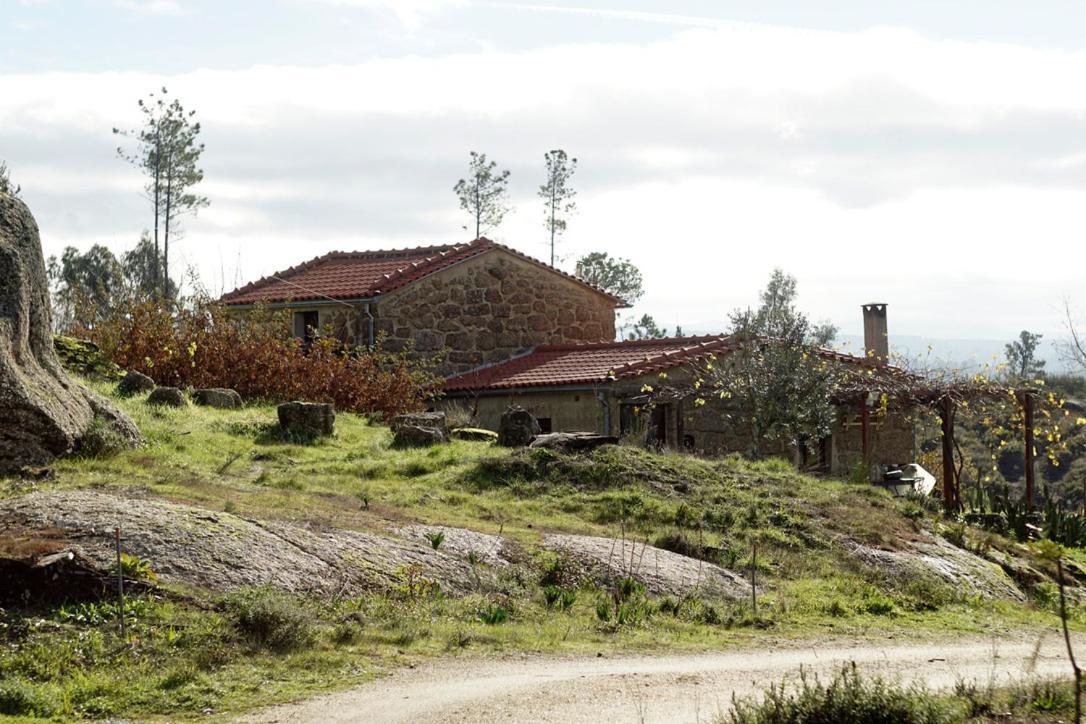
point(307, 419)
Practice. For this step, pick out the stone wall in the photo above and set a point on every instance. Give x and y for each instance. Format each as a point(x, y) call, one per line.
point(490, 308)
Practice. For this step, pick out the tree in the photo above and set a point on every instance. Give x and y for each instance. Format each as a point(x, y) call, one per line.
point(1022, 359)
point(85, 285)
point(645, 328)
point(557, 194)
point(168, 153)
point(88, 286)
point(6, 186)
point(141, 271)
point(775, 385)
point(614, 276)
point(483, 193)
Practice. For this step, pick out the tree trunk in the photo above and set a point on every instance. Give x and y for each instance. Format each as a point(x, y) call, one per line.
point(157, 202)
point(166, 238)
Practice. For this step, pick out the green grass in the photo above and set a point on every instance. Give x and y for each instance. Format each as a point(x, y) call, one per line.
point(189, 653)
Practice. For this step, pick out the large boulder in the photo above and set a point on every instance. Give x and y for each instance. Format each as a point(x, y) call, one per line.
point(166, 397)
point(43, 412)
point(573, 441)
point(135, 383)
point(517, 428)
point(221, 398)
point(419, 429)
point(418, 436)
point(307, 419)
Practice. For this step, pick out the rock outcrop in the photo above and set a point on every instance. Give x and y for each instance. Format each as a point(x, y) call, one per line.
point(43, 412)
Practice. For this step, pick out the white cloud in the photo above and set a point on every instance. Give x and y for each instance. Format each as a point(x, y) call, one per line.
point(151, 7)
point(409, 12)
point(871, 164)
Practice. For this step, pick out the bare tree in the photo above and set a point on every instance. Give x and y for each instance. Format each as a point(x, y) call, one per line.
point(483, 193)
point(168, 153)
point(557, 194)
point(1073, 348)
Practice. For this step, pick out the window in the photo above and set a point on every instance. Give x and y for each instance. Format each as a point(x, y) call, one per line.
point(545, 425)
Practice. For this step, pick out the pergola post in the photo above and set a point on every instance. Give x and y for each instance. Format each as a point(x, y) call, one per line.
point(1027, 406)
point(950, 493)
point(865, 434)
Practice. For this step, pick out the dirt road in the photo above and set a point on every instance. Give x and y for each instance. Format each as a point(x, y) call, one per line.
point(684, 688)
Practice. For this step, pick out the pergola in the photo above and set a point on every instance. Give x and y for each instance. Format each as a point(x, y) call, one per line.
point(945, 398)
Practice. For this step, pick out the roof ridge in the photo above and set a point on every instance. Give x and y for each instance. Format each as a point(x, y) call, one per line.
point(618, 343)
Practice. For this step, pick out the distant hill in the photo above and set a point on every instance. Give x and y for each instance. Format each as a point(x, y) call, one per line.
point(966, 354)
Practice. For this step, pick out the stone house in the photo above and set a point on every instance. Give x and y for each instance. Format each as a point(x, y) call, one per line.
point(601, 386)
point(481, 302)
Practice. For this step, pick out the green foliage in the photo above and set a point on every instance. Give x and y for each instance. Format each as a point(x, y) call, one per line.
point(6, 185)
point(775, 387)
point(83, 357)
point(644, 328)
point(484, 193)
point(493, 614)
point(436, 538)
point(102, 440)
point(1021, 354)
point(847, 697)
point(558, 597)
point(270, 619)
point(95, 613)
point(613, 275)
point(135, 568)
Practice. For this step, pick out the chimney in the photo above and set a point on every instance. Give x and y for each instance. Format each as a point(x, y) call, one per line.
point(876, 341)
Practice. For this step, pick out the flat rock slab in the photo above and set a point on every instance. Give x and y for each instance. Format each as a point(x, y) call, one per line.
point(661, 571)
point(937, 557)
point(573, 441)
point(221, 551)
point(493, 550)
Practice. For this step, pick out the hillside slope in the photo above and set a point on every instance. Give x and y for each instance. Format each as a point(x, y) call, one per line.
point(382, 554)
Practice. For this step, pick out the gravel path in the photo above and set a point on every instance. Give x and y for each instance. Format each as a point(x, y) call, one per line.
point(684, 688)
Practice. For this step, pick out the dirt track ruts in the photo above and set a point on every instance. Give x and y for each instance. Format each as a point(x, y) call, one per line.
point(676, 688)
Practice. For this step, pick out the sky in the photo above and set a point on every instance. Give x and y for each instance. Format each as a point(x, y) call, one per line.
point(928, 154)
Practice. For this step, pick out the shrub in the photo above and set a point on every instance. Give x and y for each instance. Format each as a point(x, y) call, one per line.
point(493, 614)
point(102, 440)
point(271, 619)
point(436, 538)
point(202, 345)
point(18, 698)
point(848, 697)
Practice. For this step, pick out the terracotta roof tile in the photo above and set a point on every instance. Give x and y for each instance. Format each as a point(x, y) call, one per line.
point(364, 274)
point(596, 363)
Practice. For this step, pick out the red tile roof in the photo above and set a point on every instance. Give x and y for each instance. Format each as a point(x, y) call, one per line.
point(365, 274)
point(595, 363)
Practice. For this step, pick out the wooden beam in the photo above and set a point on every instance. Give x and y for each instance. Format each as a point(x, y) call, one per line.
point(950, 493)
point(1027, 405)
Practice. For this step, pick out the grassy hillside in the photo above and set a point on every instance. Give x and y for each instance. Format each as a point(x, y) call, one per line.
point(191, 650)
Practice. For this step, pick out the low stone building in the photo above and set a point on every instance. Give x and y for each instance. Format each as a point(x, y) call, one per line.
point(480, 302)
point(601, 387)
